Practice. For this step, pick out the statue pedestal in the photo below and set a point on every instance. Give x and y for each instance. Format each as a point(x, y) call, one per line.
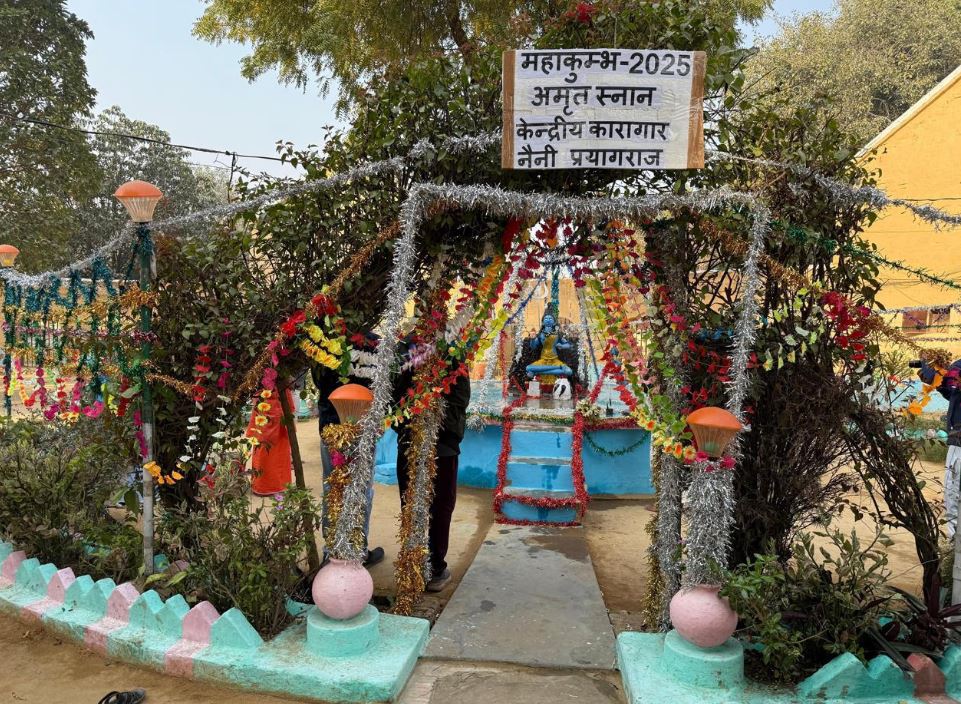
point(329, 638)
point(534, 388)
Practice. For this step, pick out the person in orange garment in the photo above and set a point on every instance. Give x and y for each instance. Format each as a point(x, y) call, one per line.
point(271, 460)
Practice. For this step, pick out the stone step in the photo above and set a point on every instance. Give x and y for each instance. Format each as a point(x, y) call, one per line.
point(516, 510)
point(541, 443)
point(530, 598)
point(546, 461)
point(540, 476)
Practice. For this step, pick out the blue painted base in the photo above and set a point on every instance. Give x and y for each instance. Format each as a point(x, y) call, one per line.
point(715, 668)
point(627, 474)
point(286, 665)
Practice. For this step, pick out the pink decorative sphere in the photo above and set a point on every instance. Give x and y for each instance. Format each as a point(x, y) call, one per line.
point(702, 617)
point(342, 589)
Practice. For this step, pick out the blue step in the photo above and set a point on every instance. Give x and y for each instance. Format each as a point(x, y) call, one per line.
point(545, 473)
point(549, 442)
point(518, 511)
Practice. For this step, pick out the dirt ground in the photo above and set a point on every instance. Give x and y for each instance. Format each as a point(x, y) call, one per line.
point(38, 668)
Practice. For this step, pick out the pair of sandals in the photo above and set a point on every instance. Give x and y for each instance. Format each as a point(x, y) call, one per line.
point(134, 696)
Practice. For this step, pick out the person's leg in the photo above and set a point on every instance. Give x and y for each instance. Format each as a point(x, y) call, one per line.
point(402, 470)
point(441, 512)
point(952, 477)
point(327, 468)
point(370, 508)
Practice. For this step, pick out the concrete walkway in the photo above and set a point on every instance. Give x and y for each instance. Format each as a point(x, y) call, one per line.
point(531, 598)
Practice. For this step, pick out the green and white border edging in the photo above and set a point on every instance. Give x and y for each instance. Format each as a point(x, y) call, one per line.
point(200, 643)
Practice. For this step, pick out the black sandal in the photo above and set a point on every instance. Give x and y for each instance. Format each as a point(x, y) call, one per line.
point(134, 696)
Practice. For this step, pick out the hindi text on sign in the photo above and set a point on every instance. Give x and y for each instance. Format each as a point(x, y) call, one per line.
point(603, 108)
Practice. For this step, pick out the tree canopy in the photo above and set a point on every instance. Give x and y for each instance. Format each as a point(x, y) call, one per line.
point(120, 158)
point(43, 77)
point(328, 39)
point(871, 59)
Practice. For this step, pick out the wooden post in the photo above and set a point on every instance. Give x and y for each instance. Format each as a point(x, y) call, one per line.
point(313, 557)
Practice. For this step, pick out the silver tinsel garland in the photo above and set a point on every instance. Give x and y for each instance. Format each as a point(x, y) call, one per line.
point(498, 202)
point(354, 506)
point(868, 195)
point(452, 145)
point(711, 494)
point(671, 487)
point(841, 192)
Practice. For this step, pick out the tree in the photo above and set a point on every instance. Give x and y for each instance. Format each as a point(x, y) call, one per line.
point(43, 172)
point(872, 59)
point(351, 41)
point(289, 249)
point(120, 158)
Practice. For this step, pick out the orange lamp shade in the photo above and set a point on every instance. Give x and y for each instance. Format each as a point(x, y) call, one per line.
point(8, 255)
point(140, 199)
point(714, 429)
point(351, 402)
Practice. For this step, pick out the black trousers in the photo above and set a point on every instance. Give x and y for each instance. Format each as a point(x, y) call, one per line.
point(441, 508)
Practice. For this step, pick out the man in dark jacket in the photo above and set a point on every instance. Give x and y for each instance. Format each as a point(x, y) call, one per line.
point(952, 464)
point(445, 480)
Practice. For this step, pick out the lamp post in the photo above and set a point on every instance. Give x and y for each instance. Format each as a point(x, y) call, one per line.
point(714, 429)
point(698, 614)
point(140, 199)
point(342, 589)
point(8, 256)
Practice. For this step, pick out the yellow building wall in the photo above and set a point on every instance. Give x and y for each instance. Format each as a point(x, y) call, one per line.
point(920, 159)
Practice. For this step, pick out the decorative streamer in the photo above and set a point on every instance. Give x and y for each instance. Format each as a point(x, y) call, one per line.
point(496, 201)
point(372, 424)
point(711, 494)
point(464, 144)
point(868, 195)
point(841, 192)
point(413, 561)
point(669, 490)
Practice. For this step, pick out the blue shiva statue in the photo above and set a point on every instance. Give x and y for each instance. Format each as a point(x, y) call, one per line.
point(549, 341)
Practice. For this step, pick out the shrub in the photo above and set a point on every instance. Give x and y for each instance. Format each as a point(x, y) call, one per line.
point(56, 481)
point(817, 605)
point(241, 555)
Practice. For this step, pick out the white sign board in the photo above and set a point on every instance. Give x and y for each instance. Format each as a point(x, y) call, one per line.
point(603, 109)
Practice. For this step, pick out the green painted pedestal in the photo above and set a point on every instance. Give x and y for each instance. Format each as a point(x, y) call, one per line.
point(332, 639)
point(715, 668)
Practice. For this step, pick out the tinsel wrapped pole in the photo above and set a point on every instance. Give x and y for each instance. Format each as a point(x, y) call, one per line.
point(413, 563)
point(148, 270)
point(711, 495)
point(667, 530)
point(372, 424)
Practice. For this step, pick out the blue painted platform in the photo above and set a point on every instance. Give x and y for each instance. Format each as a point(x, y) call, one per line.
point(624, 475)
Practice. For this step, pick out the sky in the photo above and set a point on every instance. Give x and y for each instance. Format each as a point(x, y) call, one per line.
point(144, 58)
